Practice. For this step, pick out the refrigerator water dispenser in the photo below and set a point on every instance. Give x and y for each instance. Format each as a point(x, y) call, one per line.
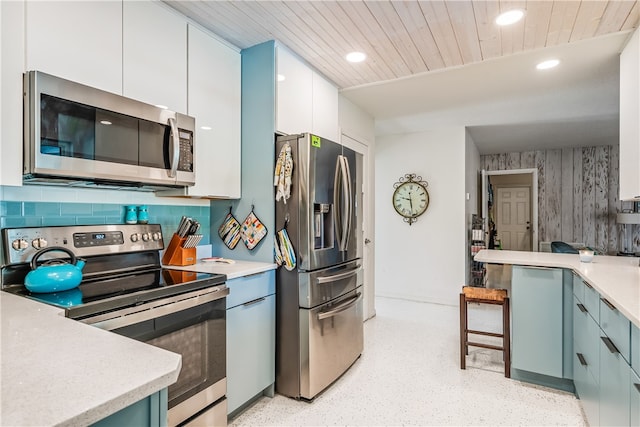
point(322, 225)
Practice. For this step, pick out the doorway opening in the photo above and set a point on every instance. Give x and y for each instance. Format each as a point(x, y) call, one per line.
point(510, 209)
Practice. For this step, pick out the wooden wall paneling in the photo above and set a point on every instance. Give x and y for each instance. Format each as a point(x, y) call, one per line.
point(528, 160)
point(512, 161)
point(553, 192)
point(540, 159)
point(492, 162)
point(614, 204)
point(588, 196)
point(601, 197)
point(566, 202)
point(502, 162)
point(577, 195)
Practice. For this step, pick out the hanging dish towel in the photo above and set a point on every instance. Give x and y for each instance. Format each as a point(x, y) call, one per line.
point(277, 255)
point(286, 250)
point(229, 231)
point(252, 230)
point(282, 174)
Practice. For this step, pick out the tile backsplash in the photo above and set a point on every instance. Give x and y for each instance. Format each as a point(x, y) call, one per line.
point(35, 214)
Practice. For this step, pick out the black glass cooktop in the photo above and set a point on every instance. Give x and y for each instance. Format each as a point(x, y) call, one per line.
point(101, 294)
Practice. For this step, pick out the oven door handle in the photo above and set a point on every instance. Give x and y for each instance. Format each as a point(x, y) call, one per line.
point(340, 308)
point(156, 309)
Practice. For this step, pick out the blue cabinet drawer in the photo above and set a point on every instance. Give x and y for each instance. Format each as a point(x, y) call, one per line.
point(249, 288)
point(635, 348)
point(586, 336)
point(591, 301)
point(614, 395)
point(578, 287)
point(617, 327)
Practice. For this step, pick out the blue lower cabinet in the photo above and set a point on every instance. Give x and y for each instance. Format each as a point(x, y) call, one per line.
point(614, 396)
point(587, 388)
point(149, 412)
point(635, 348)
point(635, 399)
point(537, 319)
point(251, 345)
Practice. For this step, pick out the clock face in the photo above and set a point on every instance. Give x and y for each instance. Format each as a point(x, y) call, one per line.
point(410, 199)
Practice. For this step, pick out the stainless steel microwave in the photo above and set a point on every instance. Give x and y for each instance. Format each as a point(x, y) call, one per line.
point(79, 135)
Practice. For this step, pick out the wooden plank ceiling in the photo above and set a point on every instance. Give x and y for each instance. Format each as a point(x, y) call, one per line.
point(403, 38)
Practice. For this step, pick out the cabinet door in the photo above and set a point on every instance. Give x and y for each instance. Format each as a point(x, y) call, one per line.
point(294, 94)
point(12, 67)
point(537, 303)
point(79, 41)
point(250, 350)
point(617, 327)
point(586, 388)
point(614, 390)
point(155, 55)
point(629, 123)
point(325, 108)
point(214, 100)
point(635, 348)
point(635, 399)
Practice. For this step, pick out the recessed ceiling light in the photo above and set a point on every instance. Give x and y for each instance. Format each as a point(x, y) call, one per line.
point(356, 57)
point(545, 65)
point(281, 77)
point(510, 17)
point(205, 127)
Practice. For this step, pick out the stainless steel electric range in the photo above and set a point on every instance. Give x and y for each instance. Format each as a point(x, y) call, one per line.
point(126, 290)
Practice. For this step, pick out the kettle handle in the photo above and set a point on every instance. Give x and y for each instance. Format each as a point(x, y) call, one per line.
point(34, 260)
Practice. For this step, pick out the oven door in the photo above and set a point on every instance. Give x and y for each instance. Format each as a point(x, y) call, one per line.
point(192, 325)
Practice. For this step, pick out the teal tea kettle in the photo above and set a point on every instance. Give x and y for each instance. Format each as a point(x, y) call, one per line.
point(54, 275)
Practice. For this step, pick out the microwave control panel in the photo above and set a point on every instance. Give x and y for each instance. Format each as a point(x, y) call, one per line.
point(186, 151)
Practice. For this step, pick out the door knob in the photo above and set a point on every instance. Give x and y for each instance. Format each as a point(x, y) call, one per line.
point(366, 241)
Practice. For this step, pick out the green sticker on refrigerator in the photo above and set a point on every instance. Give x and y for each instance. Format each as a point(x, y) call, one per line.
point(315, 141)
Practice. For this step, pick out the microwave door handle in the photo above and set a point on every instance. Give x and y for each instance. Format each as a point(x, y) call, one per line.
point(175, 147)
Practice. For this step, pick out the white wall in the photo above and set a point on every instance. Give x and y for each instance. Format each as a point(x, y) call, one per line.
point(424, 261)
point(472, 170)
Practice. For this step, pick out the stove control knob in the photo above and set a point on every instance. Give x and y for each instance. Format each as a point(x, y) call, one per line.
point(39, 243)
point(134, 237)
point(19, 244)
point(145, 237)
point(156, 236)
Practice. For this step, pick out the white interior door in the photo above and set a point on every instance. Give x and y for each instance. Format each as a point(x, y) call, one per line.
point(513, 218)
point(368, 251)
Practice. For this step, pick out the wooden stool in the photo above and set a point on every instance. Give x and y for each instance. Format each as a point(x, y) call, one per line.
point(485, 296)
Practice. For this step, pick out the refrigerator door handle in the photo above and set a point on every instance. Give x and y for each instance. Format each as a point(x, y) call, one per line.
point(340, 308)
point(349, 196)
point(342, 200)
point(339, 276)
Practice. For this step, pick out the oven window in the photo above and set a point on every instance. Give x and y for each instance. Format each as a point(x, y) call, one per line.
point(199, 335)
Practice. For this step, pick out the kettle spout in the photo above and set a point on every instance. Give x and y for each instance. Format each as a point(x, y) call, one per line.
point(80, 263)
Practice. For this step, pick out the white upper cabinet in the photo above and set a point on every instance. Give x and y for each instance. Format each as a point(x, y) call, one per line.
point(11, 69)
point(79, 41)
point(630, 119)
point(154, 55)
point(294, 94)
point(305, 101)
point(215, 100)
point(325, 108)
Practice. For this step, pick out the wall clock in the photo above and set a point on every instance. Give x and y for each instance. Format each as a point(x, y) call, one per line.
point(410, 198)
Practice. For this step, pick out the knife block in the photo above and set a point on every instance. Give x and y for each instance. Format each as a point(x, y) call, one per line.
point(177, 255)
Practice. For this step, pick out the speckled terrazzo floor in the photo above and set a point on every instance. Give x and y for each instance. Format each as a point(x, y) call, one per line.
point(409, 374)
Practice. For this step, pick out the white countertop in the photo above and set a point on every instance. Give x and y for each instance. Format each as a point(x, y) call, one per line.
point(233, 271)
point(57, 371)
point(616, 278)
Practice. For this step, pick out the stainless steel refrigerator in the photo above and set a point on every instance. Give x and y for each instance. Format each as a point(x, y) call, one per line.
point(319, 319)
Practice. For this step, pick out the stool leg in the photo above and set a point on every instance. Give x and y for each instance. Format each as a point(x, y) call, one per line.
point(506, 343)
point(463, 331)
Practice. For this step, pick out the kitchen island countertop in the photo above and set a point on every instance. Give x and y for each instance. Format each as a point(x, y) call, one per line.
point(60, 372)
point(233, 271)
point(616, 278)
